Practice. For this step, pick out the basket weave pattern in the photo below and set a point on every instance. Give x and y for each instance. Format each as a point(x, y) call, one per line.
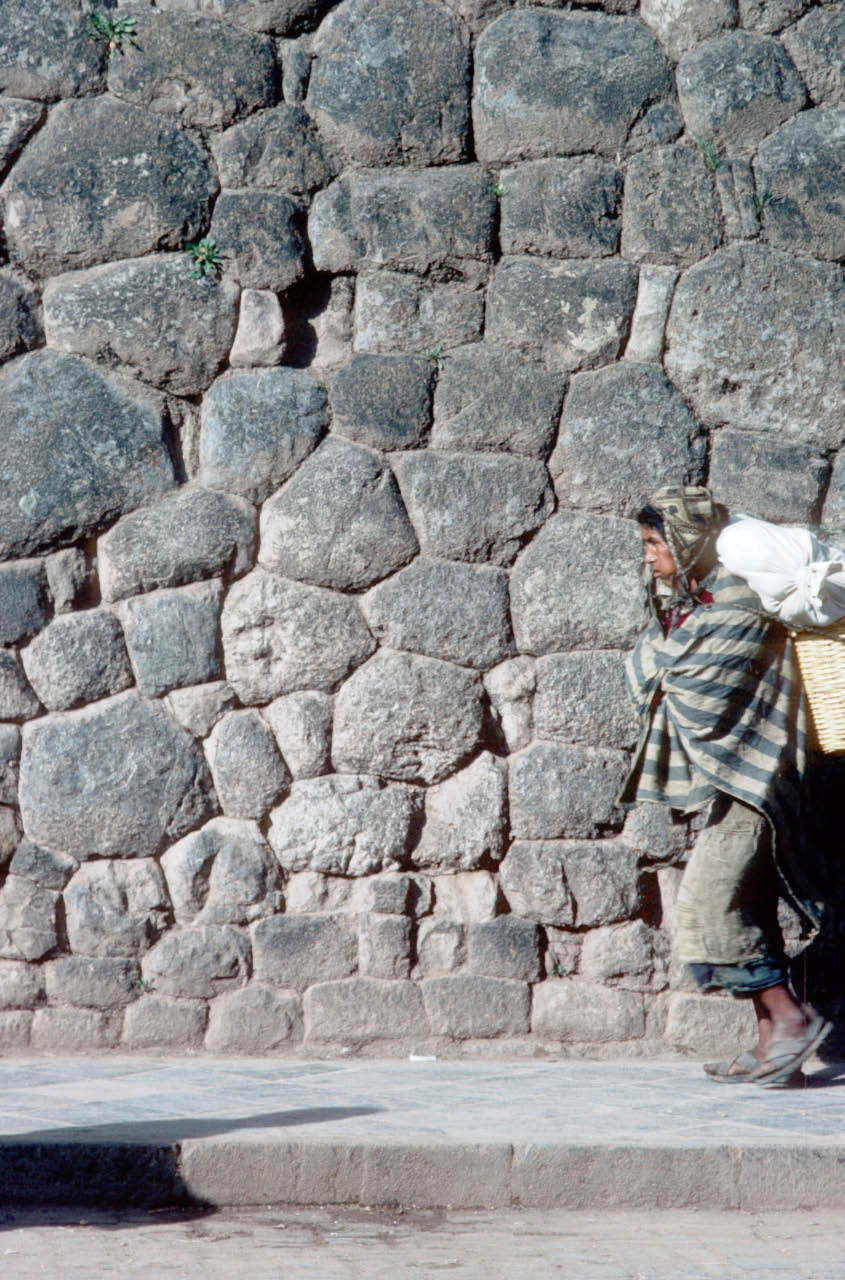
point(821, 659)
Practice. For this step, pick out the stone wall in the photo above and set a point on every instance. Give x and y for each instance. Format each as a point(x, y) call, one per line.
point(318, 572)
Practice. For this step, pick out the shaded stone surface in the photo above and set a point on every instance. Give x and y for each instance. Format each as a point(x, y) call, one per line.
point(802, 166)
point(257, 428)
point(27, 920)
point(383, 402)
point(18, 700)
point(399, 312)
point(384, 946)
point(408, 718)
point(76, 449)
point(20, 315)
point(261, 238)
point(78, 658)
point(466, 1007)
point(10, 754)
point(18, 118)
point(302, 726)
point(770, 15)
point(45, 51)
point(69, 577)
point(171, 637)
point(10, 834)
point(222, 874)
point(295, 951)
point(671, 211)
point(43, 866)
point(261, 330)
point(570, 1010)
point(96, 184)
point(563, 208)
point(581, 697)
point(680, 26)
point(116, 908)
point(277, 150)
point(252, 1020)
point(23, 600)
point(281, 636)
point(199, 963)
point(506, 947)
point(280, 17)
point(562, 790)
point(149, 314)
point(778, 480)
point(247, 769)
point(95, 983)
point(363, 1009)
point(390, 82)
point(465, 820)
point(815, 46)
point(562, 83)
point(115, 779)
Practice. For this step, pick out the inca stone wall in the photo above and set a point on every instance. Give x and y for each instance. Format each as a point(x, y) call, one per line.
point(318, 574)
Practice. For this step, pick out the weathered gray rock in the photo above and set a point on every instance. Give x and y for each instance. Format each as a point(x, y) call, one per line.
point(302, 726)
point(627, 955)
point(20, 314)
point(307, 892)
point(385, 946)
point(740, 202)
point(490, 398)
point(24, 607)
point(222, 874)
point(774, 479)
point(510, 688)
point(115, 779)
point(448, 498)
point(92, 983)
point(43, 866)
point(10, 833)
point(802, 166)
point(193, 534)
point(202, 71)
point(277, 150)
point(148, 313)
point(671, 214)
point(54, 488)
point(260, 337)
point(27, 920)
point(506, 947)
point(69, 578)
point(294, 951)
point(397, 894)
point(553, 586)
point(252, 1020)
point(172, 637)
point(468, 897)
point(706, 1024)
point(281, 636)
point(79, 658)
point(465, 820)
point(578, 84)
point(363, 532)
point(466, 1008)
point(736, 88)
point(581, 697)
point(562, 208)
point(736, 361)
point(611, 415)
point(441, 948)
point(654, 297)
point(680, 26)
point(408, 718)
point(261, 238)
point(561, 790)
point(97, 184)
point(247, 769)
point(199, 708)
point(815, 46)
point(573, 315)
point(21, 985)
point(563, 882)
point(397, 311)
point(45, 51)
point(390, 82)
point(654, 831)
point(18, 118)
point(157, 1022)
point(383, 402)
point(451, 611)
point(434, 217)
point(319, 323)
point(77, 1031)
point(343, 825)
point(18, 700)
point(363, 1009)
point(10, 754)
point(571, 1012)
point(276, 16)
point(15, 1028)
point(770, 15)
point(116, 908)
point(199, 963)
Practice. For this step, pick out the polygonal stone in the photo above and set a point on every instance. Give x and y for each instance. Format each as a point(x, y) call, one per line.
point(363, 1009)
point(172, 637)
point(802, 166)
point(671, 211)
point(397, 311)
point(261, 330)
point(77, 1031)
point(680, 26)
point(561, 790)
point(434, 217)
point(69, 577)
point(451, 611)
point(18, 118)
point(199, 963)
point(736, 88)
point(281, 636)
point(774, 479)
point(383, 401)
point(510, 688)
point(79, 658)
point(735, 360)
point(46, 52)
point(18, 701)
point(770, 15)
point(23, 600)
point(15, 1028)
point(156, 1022)
point(92, 983)
point(204, 72)
point(554, 604)
point(654, 297)
point(385, 946)
point(278, 150)
point(276, 16)
point(561, 208)
point(294, 951)
point(222, 874)
point(161, 324)
point(27, 920)
point(465, 819)
point(96, 184)
point(655, 831)
point(622, 955)
point(708, 1024)
point(55, 487)
point(574, 1011)
point(21, 985)
point(489, 398)
point(252, 1020)
point(573, 315)
point(440, 947)
point(541, 879)
point(506, 947)
point(199, 708)
point(193, 534)
point(343, 825)
point(115, 779)
point(610, 414)
point(116, 908)
point(815, 46)
point(390, 82)
point(247, 769)
point(261, 237)
point(302, 726)
point(307, 892)
point(397, 894)
point(467, 1008)
point(466, 896)
point(408, 718)
point(319, 322)
point(20, 314)
point(43, 866)
point(581, 697)
point(10, 754)
point(578, 83)
point(363, 532)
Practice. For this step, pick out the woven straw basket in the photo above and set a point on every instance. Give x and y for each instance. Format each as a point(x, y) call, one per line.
point(821, 660)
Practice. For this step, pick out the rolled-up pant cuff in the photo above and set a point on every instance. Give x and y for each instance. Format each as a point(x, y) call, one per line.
point(740, 979)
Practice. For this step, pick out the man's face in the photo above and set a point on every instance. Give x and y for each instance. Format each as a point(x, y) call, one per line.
point(656, 553)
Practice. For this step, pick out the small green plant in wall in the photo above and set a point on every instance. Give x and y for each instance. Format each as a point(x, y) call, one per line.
point(762, 201)
point(498, 190)
point(112, 31)
point(709, 152)
point(206, 257)
point(436, 354)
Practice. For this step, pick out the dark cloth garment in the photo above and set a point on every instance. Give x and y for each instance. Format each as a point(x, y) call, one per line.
point(740, 979)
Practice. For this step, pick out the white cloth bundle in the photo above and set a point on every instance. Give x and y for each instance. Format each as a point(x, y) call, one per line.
point(798, 578)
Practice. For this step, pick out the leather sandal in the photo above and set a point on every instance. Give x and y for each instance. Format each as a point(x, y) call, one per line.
point(784, 1056)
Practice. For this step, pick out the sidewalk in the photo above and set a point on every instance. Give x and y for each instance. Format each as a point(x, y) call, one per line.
point(263, 1131)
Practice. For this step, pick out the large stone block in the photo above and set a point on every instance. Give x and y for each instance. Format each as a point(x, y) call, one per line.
point(28, 929)
point(735, 359)
point(55, 489)
point(611, 415)
point(253, 1020)
point(409, 718)
point(398, 311)
point(383, 402)
point(453, 611)
point(281, 636)
point(24, 607)
point(363, 1009)
point(18, 701)
point(43, 866)
point(79, 658)
point(262, 239)
point(20, 312)
point(506, 947)
point(70, 579)
point(10, 754)
point(554, 603)
point(247, 769)
point(465, 819)
point(736, 88)
point(561, 208)
point(448, 498)
point(116, 780)
point(573, 315)
point(390, 82)
point(15, 1027)
point(773, 479)
point(680, 26)
point(302, 726)
point(18, 119)
point(199, 963)
point(343, 825)
point(562, 84)
point(279, 17)
point(561, 790)
point(581, 697)
point(466, 1007)
point(157, 1022)
point(294, 951)
point(46, 52)
point(802, 166)
point(467, 897)
point(77, 1031)
point(92, 983)
point(709, 1024)
point(277, 150)
point(222, 874)
point(815, 46)
point(397, 894)
point(115, 908)
point(566, 882)
point(96, 184)
point(672, 213)
point(172, 637)
point(257, 428)
point(21, 985)
point(629, 955)
point(193, 534)
point(384, 946)
point(581, 1012)
point(771, 15)
point(441, 947)
point(162, 325)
